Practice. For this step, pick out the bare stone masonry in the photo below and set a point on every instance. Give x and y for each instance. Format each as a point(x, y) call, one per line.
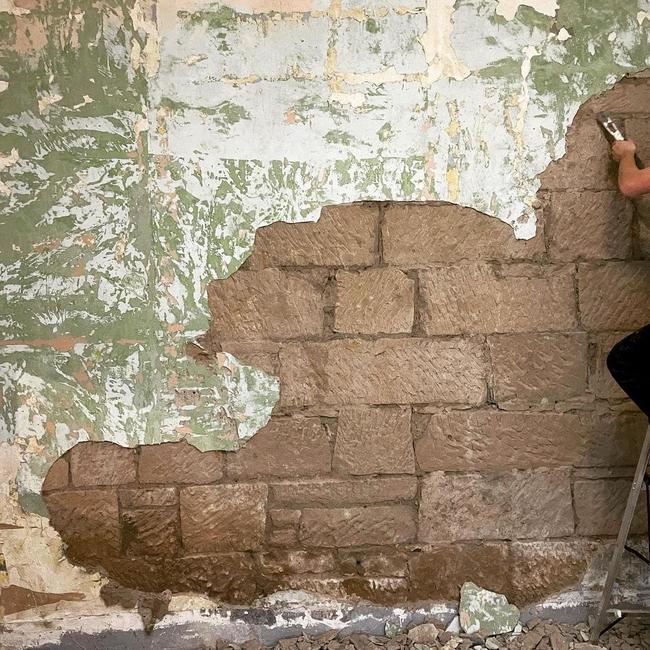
point(445, 415)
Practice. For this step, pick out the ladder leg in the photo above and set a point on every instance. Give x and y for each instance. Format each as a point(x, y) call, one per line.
point(623, 532)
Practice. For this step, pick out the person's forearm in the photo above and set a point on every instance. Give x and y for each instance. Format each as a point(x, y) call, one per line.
point(631, 181)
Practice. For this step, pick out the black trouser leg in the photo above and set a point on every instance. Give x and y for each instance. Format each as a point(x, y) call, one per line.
point(629, 363)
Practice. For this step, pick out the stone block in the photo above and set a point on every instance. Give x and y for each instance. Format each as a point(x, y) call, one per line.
point(375, 562)
point(88, 521)
point(437, 573)
point(587, 163)
point(268, 304)
point(374, 301)
point(584, 225)
point(357, 526)
point(150, 531)
point(384, 371)
point(283, 538)
point(336, 492)
point(281, 562)
point(344, 236)
point(285, 447)
point(506, 505)
point(419, 236)
point(101, 463)
point(57, 476)
point(599, 507)
point(148, 497)
point(538, 368)
point(259, 354)
point(373, 440)
point(178, 462)
point(493, 439)
point(601, 382)
point(223, 517)
point(284, 518)
point(614, 295)
point(480, 298)
point(541, 569)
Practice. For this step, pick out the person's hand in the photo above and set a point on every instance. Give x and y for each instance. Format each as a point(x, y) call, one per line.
point(623, 148)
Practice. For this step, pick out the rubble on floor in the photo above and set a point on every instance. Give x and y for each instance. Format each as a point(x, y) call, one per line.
point(630, 634)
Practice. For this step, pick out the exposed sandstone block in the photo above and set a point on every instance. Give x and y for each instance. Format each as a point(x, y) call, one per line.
point(284, 518)
point(627, 96)
point(587, 163)
point(589, 225)
point(614, 295)
point(150, 531)
point(601, 382)
point(223, 517)
point(283, 538)
point(506, 505)
point(538, 368)
point(491, 439)
point(540, 569)
point(374, 301)
point(332, 492)
point(343, 236)
point(283, 562)
point(374, 562)
point(385, 371)
point(357, 526)
point(102, 463)
point(266, 304)
point(438, 573)
point(145, 498)
point(600, 504)
point(418, 236)
point(480, 298)
point(57, 476)
point(374, 441)
point(88, 521)
point(381, 590)
point(285, 447)
point(178, 462)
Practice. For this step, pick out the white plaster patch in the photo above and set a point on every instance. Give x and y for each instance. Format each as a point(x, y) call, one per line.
point(508, 8)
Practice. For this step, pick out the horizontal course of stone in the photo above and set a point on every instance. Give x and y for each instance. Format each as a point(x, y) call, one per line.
point(445, 409)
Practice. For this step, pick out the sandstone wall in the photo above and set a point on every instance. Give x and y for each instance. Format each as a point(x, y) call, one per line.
point(445, 411)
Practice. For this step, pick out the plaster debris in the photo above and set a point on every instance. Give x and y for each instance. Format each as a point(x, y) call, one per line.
point(426, 633)
point(486, 612)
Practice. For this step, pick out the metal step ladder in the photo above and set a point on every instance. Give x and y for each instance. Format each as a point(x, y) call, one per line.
point(622, 611)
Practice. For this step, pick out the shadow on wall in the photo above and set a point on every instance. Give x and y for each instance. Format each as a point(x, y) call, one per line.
point(445, 413)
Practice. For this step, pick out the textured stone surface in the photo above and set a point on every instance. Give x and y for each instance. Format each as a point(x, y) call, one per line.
point(88, 521)
point(599, 507)
point(601, 382)
point(267, 304)
point(374, 301)
point(223, 517)
point(357, 526)
point(260, 354)
point(178, 462)
point(332, 492)
point(589, 225)
point(284, 517)
point(150, 531)
point(143, 498)
point(439, 572)
point(492, 439)
point(285, 447)
point(614, 295)
point(284, 562)
point(538, 368)
point(101, 463)
point(506, 505)
point(479, 298)
point(384, 371)
point(374, 441)
point(345, 235)
point(58, 476)
point(417, 236)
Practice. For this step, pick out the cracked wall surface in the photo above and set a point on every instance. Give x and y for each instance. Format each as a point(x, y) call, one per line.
point(143, 143)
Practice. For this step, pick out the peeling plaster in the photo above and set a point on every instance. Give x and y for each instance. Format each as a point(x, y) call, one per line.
point(136, 173)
